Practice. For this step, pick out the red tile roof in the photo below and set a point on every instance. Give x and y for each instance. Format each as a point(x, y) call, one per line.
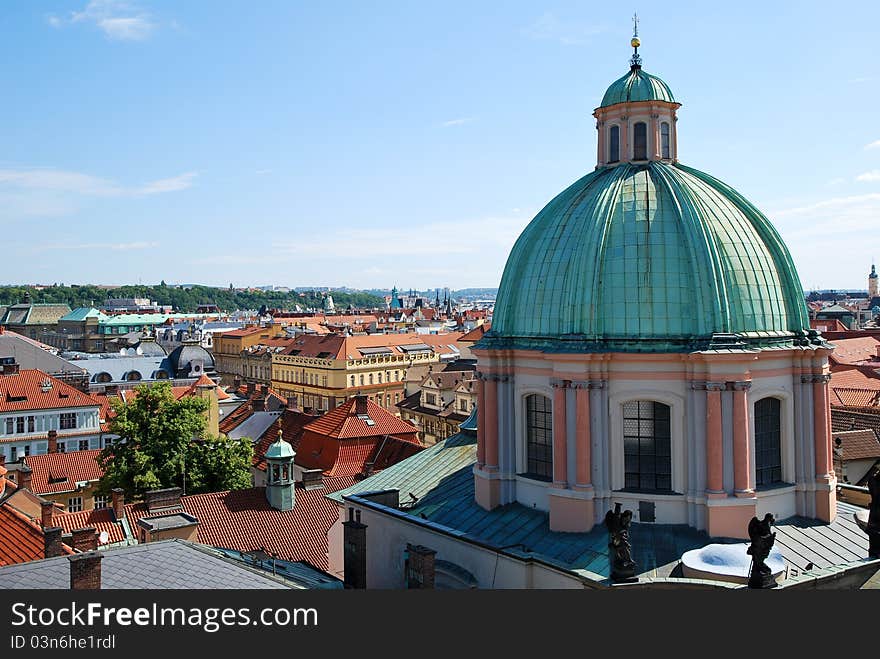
point(343, 457)
point(21, 540)
point(343, 422)
point(858, 444)
point(853, 351)
point(244, 521)
point(291, 423)
point(27, 390)
point(102, 519)
point(336, 346)
point(237, 416)
point(60, 472)
point(477, 333)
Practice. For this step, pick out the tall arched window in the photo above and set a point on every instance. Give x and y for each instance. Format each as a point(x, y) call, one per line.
point(539, 436)
point(647, 455)
point(640, 141)
point(768, 442)
point(664, 140)
point(614, 144)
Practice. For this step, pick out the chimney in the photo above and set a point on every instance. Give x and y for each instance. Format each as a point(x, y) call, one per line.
point(158, 499)
point(10, 369)
point(118, 497)
point(236, 383)
point(53, 441)
point(259, 404)
point(264, 389)
point(420, 566)
point(360, 404)
point(47, 510)
point(52, 541)
point(111, 390)
point(291, 402)
point(85, 539)
point(85, 571)
point(24, 477)
point(354, 536)
point(251, 388)
point(313, 479)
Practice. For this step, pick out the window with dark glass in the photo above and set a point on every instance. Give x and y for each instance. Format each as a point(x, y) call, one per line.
point(647, 454)
point(664, 140)
point(640, 141)
point(539, 437)
point(768, 442)
point(30, 424)
point(19, 424)
point(68, 420)
point(614, 144)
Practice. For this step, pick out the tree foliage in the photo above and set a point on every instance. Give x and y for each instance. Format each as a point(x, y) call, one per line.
point(187, 299)
point(161, 444)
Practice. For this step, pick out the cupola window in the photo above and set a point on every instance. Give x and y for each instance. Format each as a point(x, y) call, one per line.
point(647, 446)
point(640, 141)
point(768, 442)
point(664, 140)
point(539, 437)
point(614, 144)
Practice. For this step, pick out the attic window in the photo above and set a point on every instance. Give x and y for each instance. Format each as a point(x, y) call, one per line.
point(366, 419)
point(323, 355)
point(60, 478)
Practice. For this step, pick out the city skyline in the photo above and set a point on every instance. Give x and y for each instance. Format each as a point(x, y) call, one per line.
point(410, 145)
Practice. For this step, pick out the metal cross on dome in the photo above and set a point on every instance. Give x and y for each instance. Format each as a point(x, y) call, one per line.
point(635, 43)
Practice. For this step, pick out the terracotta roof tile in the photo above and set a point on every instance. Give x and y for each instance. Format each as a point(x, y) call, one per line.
point(31, 389)
point(343, 422)
point(291, 423)
point(21, 540)
point(853, 351)
point(858, 444)
point(102, 519)
point(60, 472)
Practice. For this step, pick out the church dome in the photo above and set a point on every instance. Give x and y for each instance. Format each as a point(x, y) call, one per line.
point(651, 256)
point(637, 85)
point(191, 360)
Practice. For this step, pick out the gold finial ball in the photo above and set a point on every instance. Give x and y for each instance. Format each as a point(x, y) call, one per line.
point(635, 43)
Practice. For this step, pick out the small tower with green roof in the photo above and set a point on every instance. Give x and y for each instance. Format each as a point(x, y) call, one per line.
point(279, 476)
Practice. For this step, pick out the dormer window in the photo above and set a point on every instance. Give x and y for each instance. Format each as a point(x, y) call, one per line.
point(614, 144)
point(664, 140)
point(640, 141)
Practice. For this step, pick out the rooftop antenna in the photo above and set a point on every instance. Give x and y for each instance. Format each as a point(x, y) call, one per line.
point(636, 61)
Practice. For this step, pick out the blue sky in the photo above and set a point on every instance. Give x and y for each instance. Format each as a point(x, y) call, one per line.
point(367, 144)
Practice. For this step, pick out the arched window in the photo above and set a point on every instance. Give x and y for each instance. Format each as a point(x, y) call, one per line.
point(647, 457)
point(664, 140)
point(352, 380)
point(640, 141)
point(614, 144)
point(133, 376)
point(768, 442)
point(539, 436)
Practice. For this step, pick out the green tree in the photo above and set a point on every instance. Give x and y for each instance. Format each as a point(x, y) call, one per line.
point(159, 447)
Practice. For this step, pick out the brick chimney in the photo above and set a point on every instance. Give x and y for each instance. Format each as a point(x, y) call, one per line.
point(420, 566)
point(264, 389)
point(236, 383)
point(52, 541)
point(159, 499)
point(259, 404)
point(354, 535)
point(24, 477)
point(85, 571)
point(313, 479)
point(118, 497)
point(251, 388)
point(47, 510)
point(53, 441)
point(10, 369)
point(85, 539)
point(360, 404)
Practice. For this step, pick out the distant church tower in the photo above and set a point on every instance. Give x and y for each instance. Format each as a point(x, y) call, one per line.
point(873, 283)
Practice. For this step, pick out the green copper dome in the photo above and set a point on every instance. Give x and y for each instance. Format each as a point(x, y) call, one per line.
point(655, 257)
point(637, 86)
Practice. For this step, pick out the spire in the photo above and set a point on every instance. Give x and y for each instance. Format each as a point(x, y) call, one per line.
point(873, 271)
point(636, 61)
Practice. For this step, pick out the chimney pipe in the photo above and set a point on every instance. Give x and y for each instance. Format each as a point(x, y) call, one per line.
point(24, 477)
point(53, 441)
point(85, 571)
point(118, 497)
point(52, 542)
point(47, 510)
point(360, 404)
point(85, 539)
point(251, 388)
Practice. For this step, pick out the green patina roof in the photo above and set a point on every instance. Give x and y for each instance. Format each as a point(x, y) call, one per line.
point(82, 313)
point(649, 257)
point(637, 85)
point(279, 450)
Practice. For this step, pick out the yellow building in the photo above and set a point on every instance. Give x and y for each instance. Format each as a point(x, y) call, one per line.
point(230, 350)
point(322, 372)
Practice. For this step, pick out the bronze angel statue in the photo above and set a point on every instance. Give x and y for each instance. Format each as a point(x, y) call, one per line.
point(762, 539)
point(623, 568)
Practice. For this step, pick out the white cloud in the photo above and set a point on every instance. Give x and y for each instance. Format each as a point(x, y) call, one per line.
point(113, 246)
point(551, 27)
point(117, 19)
point(54, 180)
point(873, 145)
point(457, 122)
point(836, 181)
point(869, 177)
